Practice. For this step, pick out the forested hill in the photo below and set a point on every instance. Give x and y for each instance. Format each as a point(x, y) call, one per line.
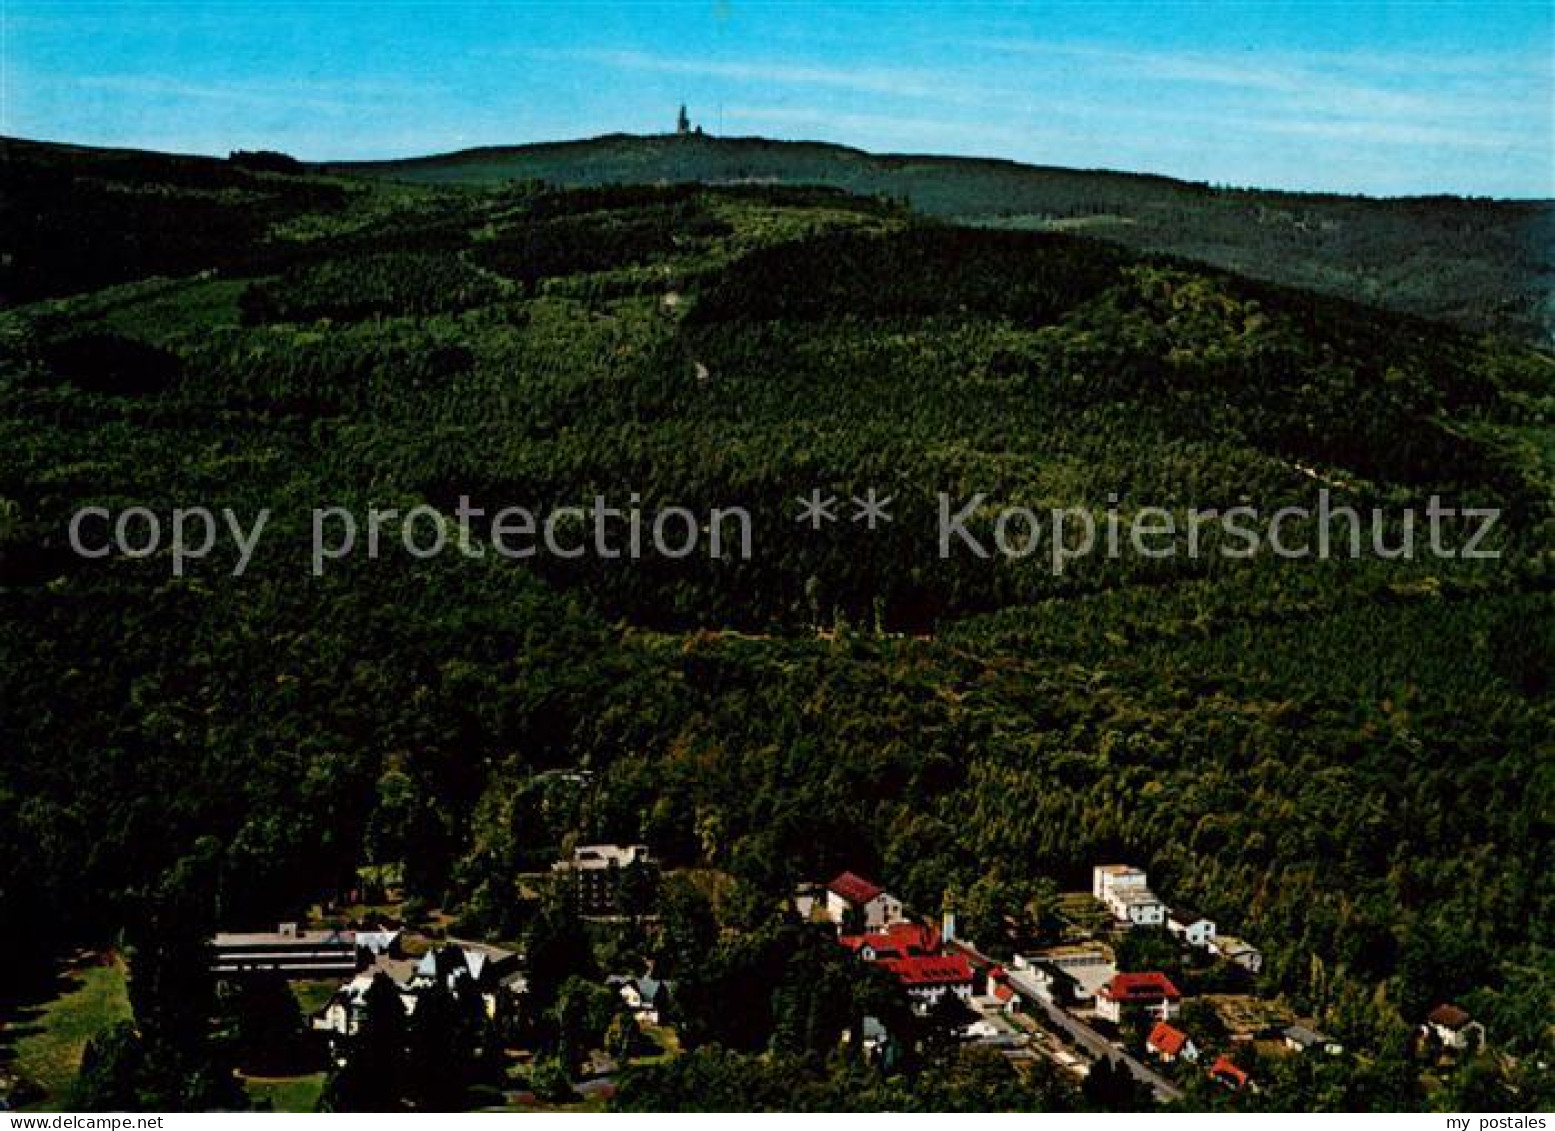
point(1347, 763)
point(1480, 264)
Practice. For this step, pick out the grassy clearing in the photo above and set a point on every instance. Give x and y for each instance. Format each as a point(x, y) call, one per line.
point(48, 1039)
point(313, 994)
point(1243, 1013)
point(285, 1093)
point(1084, 911)
point(665, 1039)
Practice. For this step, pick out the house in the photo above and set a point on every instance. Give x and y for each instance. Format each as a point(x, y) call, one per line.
point(899, 940)
point(810, 902)
point(1171, 1044)
point(1244, 954)
point(1129, 994)
point(647, 998)
point(380, 943)
point(513, 988)
point(483, 964)
point(1224, 1072)
point(288, 951)
point(1125, 891)
point(928, 978)
point(1454, 1028)
point(1004, 995)
point(878, 1045)
point(1299, 1038)
point(853, 901)
point(596, 872)
point(490, 971)
point(1193, 928)
point(993, 984)
point(342, 1014)
point(914, 952)
point(1137, 907)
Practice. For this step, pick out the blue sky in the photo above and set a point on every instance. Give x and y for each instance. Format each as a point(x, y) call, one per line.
point(1384, 98)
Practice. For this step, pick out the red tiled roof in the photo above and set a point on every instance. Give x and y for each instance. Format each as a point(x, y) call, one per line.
point(854, 888)
point(899, 940)
point(1166, 1039)
point(938, 970)
point(1228, 1073)
point(1149, 987)
point(1003, 993)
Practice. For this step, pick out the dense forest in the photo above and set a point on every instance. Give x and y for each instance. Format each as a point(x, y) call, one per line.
point(1352, 762)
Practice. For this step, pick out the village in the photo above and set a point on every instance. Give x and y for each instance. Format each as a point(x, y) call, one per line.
point(1074, 1000)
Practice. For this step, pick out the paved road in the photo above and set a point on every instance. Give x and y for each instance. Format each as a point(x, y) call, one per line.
point(1081, 1033)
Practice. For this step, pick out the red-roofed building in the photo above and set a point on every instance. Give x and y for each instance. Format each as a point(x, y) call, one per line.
point(1171, 1044)
point(852, 901)
point(854, 888)
point(1001, 991)
point(914, 953)
point(1150, 993)
point(928, 978)
point(1224, 1072)
point(899, 940)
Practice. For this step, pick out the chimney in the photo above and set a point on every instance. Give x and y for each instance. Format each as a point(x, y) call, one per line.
point(947, 930)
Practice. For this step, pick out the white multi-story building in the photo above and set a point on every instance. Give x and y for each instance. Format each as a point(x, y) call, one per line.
point(1152, 994)
point(596, 872)
point(927, 978)
point(1125, 891)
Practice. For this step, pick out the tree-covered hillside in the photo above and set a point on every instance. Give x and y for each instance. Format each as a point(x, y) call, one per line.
point(1352, 763)
point(1477, 263)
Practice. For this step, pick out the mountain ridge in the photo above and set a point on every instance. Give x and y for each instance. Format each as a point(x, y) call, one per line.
point(1477, 263)
point(889, 158)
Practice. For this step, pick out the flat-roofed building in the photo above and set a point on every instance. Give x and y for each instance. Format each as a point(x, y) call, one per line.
point(1125, 891)
point(288, 950)
point(1087, 966)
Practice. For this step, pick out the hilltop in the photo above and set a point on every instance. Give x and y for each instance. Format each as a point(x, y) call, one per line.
point(1480, 264)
